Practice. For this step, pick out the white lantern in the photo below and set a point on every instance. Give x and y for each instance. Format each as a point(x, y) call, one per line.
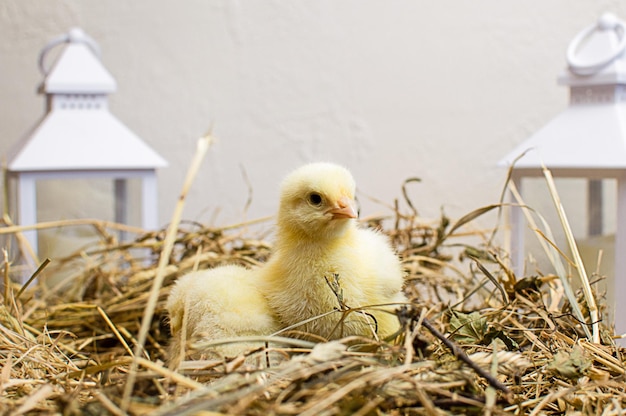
point(78, 138)
point(588, 139)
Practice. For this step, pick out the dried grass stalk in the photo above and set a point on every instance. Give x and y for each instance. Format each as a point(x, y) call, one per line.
point(578, 262)
point(201, 150)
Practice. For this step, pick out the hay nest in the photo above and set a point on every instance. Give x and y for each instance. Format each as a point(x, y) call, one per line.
point(476, 338)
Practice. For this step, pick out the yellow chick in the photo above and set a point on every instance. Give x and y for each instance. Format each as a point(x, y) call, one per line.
point(214, 304)
point(322, 261)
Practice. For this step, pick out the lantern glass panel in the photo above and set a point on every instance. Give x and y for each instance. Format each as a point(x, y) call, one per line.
point(574, 194)
point(58, 202)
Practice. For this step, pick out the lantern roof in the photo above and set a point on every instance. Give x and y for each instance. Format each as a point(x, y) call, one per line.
point(78, 133)
point(83, 140)
point(591, 133)
point(78, 69)
point(581, 137)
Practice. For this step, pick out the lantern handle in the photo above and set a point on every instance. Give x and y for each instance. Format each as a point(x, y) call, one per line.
point(75, 35)
point(607, 21)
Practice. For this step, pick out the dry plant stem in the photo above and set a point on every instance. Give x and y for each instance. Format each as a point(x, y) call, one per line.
point(604, 357)
point(31, 402)
point(552, 256)
point(33, 277)
point(172, 375)
point(12, 229)
point(114, 329)
point(293, 342)
point(108, 404)
point(23, 242)
point(555, 395)
point(459, 353)
point(410, 336)
point(490, 392)
point(183, 335)
point(582, 273)
point(360, 382)
point(201, 150)
point(7, 282)
point(560, 269)
point(5, 374)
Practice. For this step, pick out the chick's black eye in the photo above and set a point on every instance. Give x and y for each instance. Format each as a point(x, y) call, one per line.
point(315, 198)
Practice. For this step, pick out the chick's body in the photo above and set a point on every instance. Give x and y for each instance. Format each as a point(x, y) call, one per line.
point(218, 303)
point(322, 261)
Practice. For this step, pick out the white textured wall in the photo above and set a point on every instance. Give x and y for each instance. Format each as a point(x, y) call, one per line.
point(391, 89)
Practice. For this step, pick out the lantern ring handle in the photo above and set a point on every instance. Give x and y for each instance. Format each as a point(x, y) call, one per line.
point(75, 35)
point(606, 22)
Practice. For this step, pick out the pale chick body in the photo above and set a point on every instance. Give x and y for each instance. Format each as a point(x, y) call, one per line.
point(322, 261)
point(220, 303)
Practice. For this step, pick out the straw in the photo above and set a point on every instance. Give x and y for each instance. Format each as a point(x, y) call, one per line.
point(580, 267)
point(202, 147)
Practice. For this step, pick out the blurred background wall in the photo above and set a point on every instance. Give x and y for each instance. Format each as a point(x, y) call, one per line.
point(391, 89)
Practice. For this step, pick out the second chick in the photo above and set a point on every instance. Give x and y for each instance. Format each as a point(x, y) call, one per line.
point(219, 303)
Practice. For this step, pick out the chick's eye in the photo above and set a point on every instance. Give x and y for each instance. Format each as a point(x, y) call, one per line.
point(315, 199)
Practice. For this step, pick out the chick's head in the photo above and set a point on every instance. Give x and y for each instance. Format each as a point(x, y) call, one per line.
point(317, 201)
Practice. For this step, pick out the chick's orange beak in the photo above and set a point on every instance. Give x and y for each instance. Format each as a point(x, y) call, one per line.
point(346, 208)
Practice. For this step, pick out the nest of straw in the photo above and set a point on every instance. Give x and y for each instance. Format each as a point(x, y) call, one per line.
point(476, 338)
